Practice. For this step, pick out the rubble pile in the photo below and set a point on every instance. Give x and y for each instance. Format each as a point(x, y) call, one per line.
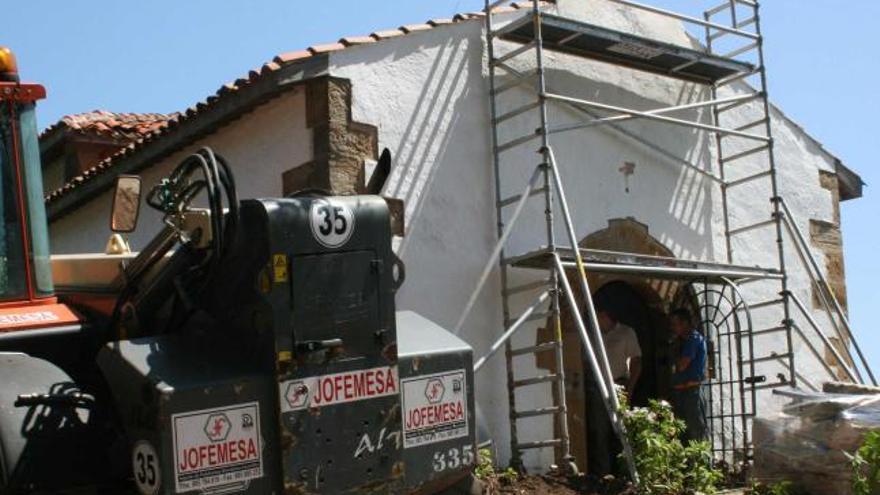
point(808, 442)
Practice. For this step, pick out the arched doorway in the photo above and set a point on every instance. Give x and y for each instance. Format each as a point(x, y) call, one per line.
point(643, 304)
point(637, 307)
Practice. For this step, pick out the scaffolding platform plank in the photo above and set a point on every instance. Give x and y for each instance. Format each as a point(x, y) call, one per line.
point(608, 45)
point(656, 267)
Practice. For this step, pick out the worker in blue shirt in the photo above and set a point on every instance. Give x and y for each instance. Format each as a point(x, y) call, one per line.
point(688, 402)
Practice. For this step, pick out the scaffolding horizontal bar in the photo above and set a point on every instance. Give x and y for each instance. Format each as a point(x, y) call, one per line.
point(752, 124)
point(543, 315)
point(525, 382)
point(539, 444)
point(754, 226)
point(741, 50)
point(765, 386)
point(746, 22)
point(516, 111)
point(655, 111)
point(515, 52)
point(513, 199)
point(725, 6)
point(659, 267)
point(716, 9)
point(654, 116)
point(747, 382)
point(743, 154)
point(511, 26)
point(516, 142)
point(546, 346)
point(541, 411)
point(765, 331)
point(739, 25)
point(771, 357)
point(730, 415)
point(762, 304)
point(738, 77)
point(641, 141)
point(748, 178)
point(517, 80)
point(608, 45)
point(744, 99)
point(539, 284)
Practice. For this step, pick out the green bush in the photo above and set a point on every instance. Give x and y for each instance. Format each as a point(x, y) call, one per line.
point(665, 465)
point(780, 488)
point(485, 468)
point(866, 465)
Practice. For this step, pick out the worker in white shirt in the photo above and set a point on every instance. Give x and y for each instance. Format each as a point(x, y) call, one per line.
point(625, 360)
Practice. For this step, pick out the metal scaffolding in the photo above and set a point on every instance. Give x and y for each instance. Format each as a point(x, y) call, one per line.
point(731, 53)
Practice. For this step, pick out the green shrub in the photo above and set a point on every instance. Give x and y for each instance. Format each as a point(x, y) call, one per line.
point(485, 468)
point(780, 488)
point(866, 465)
point(665, 465)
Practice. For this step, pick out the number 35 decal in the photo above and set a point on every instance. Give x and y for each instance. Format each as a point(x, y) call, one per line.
point(454, 458)
point(145, 463)
point(332, 222)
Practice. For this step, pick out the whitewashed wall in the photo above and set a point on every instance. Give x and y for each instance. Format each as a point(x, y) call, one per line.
point(259, 146)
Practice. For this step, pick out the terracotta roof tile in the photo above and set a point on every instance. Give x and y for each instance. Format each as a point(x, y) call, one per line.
point(411, 28)
point(288, 57)
point(389, 33)
point(356, 40)
point(329, 47)
point(119, 126)
point(439, 22)
point(154, 126)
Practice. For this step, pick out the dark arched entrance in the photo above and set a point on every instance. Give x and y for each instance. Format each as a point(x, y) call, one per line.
point(631, 305)
point(645, 303)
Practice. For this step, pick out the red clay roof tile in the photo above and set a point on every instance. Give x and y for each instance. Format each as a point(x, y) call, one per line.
point(388, 33)
point(411, 28)
point(329, 47)
point(356, 40)
point(119, 126)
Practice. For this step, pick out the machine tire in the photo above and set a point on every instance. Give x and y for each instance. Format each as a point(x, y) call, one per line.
point(37, 442)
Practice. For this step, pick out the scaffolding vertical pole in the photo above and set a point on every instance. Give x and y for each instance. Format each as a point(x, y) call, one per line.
point(515, 460)
point(567, 458)
point(716, 121)
point(776, 198)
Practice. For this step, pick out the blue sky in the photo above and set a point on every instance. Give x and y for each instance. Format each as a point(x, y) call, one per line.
point(165, 55)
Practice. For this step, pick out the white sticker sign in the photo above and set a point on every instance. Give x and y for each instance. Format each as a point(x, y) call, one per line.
point(217, 448)
point(338, 388)
point(145, 466)
point(434, 408)
point(332, 222)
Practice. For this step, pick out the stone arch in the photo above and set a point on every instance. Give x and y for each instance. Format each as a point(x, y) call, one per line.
point(625, 235)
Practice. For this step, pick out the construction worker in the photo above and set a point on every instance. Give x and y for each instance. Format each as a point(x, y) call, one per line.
point(688, 402)
point(624, 359)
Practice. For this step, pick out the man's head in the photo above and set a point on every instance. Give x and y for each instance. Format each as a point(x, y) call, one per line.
point(606, 318)
point(680, 321)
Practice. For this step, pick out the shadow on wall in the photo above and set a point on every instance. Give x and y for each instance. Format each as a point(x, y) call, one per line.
point(428, 132)
point(675, 200)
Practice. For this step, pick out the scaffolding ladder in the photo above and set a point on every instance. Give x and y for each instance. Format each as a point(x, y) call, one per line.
point(719, 66)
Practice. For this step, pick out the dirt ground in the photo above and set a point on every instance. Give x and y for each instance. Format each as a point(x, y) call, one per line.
point(551, 484)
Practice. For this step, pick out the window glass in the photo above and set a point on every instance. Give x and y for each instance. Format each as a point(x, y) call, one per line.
point(12, 261)
point(33, 183)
